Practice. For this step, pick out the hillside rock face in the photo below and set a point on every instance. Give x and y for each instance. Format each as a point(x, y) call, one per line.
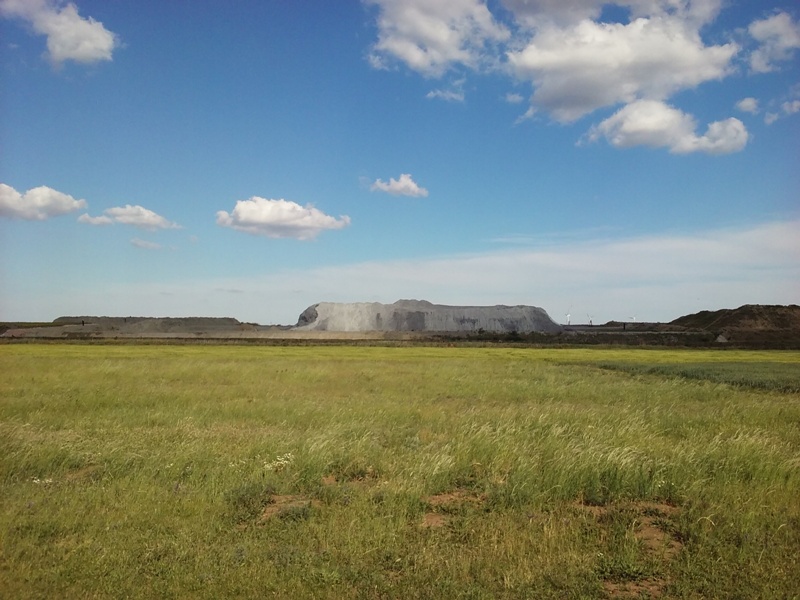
point(419, 315)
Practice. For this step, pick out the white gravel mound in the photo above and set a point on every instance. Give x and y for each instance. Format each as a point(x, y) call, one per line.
point(420, 315)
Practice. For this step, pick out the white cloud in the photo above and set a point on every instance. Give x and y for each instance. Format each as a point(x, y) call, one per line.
point(451, 95)
point(36, 204)
point(101, 220)
point(655, 124)
point(69, 36)
point(145, 245)
point(402, 186)
point(134, 215)
point(779, 37)
point(749, 105)
point(579, 56)
point(513, 98)
point(430, 36)
point(279, 219)
point(140, 217)
point(791, 107)
point(578, 69)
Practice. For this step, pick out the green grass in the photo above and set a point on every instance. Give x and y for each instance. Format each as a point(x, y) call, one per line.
point(375, 472)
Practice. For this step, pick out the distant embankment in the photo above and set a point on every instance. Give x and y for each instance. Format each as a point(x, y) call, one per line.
point(751, 325)
point(145, 325)
point(752, 317)
point(419, 315)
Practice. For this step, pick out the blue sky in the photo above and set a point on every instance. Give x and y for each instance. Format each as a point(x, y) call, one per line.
point(624, 160)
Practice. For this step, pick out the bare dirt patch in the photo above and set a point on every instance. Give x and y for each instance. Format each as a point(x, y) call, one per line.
point(431, 520)
point(288, 506)
point(651, 527)
point(648, 588)
point(443, 506)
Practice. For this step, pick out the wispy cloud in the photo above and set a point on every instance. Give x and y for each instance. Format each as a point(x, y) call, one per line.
point(657, 277)
point(146, 245)
point(279, 219)
point(448, 95)
point(788, 108)
point(97, 221)
point(134, 215)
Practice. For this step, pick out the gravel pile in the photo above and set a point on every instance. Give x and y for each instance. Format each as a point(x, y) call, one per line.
point(419, 315)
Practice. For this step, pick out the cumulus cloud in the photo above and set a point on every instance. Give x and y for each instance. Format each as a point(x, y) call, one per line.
point(402, 186)
point(279, 219)
point(778, 36)
point(513, 98)
point(583, 55)
point(69, 36)
point(655, 124)
point(590, 65)
point(145, 245)
point(430, 36)
point(36, 204)
point(575, 62)
point(134, 215)
point(748, 105)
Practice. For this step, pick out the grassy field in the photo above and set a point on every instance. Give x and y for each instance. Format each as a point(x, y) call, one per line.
point(413, 472)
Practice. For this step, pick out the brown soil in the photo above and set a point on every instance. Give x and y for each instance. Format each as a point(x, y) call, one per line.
point(282, 505)
point(434, 520)
point(649, 530)
point(441, 505)
point(649, 588)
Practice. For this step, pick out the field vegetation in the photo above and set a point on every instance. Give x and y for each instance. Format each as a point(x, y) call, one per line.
point(147, 471)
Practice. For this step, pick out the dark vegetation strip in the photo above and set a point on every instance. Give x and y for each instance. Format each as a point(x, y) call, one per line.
point(770, 376)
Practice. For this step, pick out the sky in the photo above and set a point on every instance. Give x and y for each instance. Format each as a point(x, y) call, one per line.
point(630, 160)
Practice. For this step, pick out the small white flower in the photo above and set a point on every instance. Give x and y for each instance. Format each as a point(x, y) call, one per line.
point(280, 463)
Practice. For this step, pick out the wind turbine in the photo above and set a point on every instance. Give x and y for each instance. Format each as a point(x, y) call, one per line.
point(590, 319)
point(568, 314)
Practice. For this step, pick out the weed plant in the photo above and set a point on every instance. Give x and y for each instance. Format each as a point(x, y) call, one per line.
point(369, 472)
